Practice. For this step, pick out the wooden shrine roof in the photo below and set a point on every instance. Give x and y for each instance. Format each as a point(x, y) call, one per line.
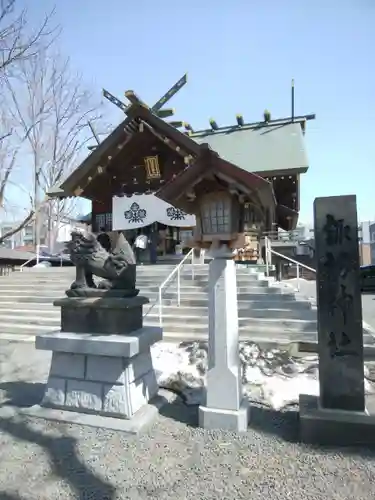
point(276, 146)
point(137, 116)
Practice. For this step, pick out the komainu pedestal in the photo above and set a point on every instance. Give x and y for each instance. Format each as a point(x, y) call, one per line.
point(101, 358)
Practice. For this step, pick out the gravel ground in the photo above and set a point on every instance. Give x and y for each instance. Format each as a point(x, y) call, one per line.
point(40, 460)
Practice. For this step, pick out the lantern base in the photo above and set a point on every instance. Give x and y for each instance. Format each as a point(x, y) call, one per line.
point(228, 420)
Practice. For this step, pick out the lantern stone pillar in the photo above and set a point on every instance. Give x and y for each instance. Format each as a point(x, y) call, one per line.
point(225, 408)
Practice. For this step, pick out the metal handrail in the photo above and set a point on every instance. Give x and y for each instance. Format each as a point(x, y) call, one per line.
point(27, 262)
point(177, 270)
point(292, 260)
point(282, 236)
point(270, 251)
point(37, 257)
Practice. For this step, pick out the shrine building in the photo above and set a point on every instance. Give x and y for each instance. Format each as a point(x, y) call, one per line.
point(122, 173)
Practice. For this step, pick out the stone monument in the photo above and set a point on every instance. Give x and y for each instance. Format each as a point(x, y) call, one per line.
point(339, 415)
point(101, 360)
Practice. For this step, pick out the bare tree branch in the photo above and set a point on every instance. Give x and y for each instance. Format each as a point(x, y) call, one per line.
point(49, 110)
point(17, 40)
point(26, 221)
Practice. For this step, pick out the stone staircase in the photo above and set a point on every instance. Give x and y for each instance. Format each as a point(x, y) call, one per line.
point(269, 312)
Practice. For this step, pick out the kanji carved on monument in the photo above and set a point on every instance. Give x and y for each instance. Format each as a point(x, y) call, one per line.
point(339, 303)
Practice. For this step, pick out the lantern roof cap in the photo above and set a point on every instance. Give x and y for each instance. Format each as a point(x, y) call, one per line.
point(210, 164)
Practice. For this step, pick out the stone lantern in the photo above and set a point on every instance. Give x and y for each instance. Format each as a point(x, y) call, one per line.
point(218, 194)
point(216, 191)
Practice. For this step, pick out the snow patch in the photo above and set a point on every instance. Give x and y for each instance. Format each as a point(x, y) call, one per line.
point(270, 377)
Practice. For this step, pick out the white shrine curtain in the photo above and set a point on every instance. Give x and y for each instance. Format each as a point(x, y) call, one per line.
point(142, 210)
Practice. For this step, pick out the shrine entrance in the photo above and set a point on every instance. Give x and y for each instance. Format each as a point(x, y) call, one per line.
point(169, 241)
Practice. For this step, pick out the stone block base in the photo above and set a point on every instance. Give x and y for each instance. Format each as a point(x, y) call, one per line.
point(334, 427)
point(140, 422)
point(118, 316)
point(111, 375)
point(228, 420)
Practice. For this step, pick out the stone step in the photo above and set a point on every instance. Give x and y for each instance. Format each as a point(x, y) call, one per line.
point(63, 283)
point(48, 276)
point(188, 296)
point(140, 278)
point(244, 311)
point(180, 332)
point(245, 293)
point(281, 340)
point(42, 307)
point(142, 283)
point(179, 322)
point(271, 301)
point(187, 290)
point(147, 290)
point(26, 332)
point(154, 280)
point(283, 307)
point(268, 328)
point(141, 271)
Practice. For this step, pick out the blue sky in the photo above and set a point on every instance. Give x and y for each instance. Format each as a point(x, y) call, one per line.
point(240, 56)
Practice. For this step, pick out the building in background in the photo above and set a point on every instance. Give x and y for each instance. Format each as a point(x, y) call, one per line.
point(53, 243)
point(302, 232)
point(23, 238)
point(300, 243)
point(372, 242)
point(364, 243)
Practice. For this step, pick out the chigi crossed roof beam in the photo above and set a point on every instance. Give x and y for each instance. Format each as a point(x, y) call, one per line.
point(133, 98)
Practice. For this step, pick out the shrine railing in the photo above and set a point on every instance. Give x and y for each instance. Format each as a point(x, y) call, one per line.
point(176, 273)
point(268, 254)
point(293, 236)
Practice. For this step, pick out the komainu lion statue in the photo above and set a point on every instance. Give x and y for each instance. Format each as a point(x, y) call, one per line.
point(118, 268)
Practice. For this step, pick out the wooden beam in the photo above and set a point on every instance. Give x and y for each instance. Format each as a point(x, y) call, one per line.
point(165, 140)
point(93, 132)
point(133, 98)
point(100, 169)
point(165, 113)
point(176, 124)
point(114, 100)
point(168, 95)
point(190, 146)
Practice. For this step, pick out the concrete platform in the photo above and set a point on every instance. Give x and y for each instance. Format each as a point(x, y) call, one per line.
point(334, 427)
point(141, 421)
